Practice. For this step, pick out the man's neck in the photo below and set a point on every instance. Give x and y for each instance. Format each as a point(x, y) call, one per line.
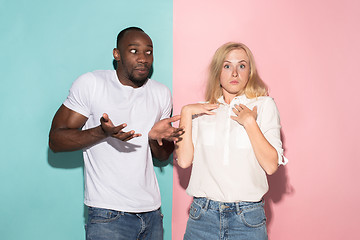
point(126, 81)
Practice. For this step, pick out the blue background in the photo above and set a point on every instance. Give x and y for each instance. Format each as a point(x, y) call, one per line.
point(45, 46)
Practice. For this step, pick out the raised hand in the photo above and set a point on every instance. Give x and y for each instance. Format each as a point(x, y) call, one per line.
point(163, 130)
point(199, 109)
point(184, 147)
point(116, 131)
point(243, 114)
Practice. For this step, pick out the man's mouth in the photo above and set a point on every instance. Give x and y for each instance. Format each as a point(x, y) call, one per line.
point(142, 69)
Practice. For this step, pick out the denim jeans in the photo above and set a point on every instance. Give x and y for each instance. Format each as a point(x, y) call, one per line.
point(212, 220)
point(105, 224)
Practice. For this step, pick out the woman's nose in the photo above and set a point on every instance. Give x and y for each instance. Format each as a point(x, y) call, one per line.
point(235, 73)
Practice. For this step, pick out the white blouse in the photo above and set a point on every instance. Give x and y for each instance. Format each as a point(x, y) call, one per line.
point(224, 166)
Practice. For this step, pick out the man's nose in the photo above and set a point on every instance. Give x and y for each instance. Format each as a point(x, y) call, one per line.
point(142, 58)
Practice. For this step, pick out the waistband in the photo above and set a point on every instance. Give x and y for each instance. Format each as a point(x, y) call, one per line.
point(116, 211)
point(206, 203)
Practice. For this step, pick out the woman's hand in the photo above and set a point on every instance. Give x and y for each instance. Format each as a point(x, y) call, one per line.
point(199, 108)
point(184, 148)
point(265, 153)
point(244, 115)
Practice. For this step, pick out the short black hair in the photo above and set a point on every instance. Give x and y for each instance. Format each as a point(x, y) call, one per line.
point(122, 33)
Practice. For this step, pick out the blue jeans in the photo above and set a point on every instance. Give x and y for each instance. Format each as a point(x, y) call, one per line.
point(226, 221)
point(105, 224)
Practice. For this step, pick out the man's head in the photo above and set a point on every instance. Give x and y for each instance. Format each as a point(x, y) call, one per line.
point(134, 56)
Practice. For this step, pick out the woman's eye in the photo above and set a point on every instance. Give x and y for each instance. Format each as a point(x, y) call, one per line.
point(133, 50)
point(226, 66)
point(149, 52)
point(242, 66)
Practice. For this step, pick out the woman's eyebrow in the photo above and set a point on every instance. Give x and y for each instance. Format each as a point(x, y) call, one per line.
point(235, 61)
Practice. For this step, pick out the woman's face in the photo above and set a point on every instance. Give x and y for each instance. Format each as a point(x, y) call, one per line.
point(234, 74)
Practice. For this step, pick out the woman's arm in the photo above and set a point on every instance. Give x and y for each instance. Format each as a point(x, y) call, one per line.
point(184, 148)
point(265, 153)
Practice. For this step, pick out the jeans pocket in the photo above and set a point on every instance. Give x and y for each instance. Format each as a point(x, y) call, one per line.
point(195, 211)
point(161, 215)
point(254, 216)
point(98, 215)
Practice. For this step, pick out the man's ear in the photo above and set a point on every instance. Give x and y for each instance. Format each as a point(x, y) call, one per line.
point(116, 54)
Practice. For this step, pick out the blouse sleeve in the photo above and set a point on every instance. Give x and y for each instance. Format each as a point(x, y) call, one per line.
point(270, 127)
point(194, 129)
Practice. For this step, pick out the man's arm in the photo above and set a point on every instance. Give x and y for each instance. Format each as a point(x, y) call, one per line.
point(66, 134)
point(162, 152)
point(162, 136)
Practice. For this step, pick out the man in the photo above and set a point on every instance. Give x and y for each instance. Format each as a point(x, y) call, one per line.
point(120, 119)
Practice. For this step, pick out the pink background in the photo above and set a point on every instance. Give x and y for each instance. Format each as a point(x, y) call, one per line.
point(308, 53)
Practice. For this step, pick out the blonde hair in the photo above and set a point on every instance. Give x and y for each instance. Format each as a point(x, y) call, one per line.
point(255, 87)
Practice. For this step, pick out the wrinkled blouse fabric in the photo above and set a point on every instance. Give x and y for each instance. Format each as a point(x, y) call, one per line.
point(224, 166)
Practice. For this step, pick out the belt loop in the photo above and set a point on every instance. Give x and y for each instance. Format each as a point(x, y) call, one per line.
point(238, 211)
point(207, 204)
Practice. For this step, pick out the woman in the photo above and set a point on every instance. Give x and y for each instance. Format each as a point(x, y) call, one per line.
point(232, 141)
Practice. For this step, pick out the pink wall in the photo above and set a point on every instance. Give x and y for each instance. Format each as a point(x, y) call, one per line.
point(308, 53)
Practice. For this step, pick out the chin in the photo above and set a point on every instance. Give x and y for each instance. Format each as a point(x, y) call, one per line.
point(139, 82)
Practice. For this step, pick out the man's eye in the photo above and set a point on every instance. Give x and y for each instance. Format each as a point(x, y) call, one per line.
point(149, 52)
point(133, 50)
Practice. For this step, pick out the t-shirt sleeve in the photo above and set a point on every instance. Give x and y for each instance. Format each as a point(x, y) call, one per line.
point(79, 98)
point(270, 127)
point(167, 107)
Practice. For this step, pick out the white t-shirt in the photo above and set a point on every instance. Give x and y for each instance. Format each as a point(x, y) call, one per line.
point(120, 175)
point(225, 167)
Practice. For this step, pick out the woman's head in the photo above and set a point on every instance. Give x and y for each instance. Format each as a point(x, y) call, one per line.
point(223, 69)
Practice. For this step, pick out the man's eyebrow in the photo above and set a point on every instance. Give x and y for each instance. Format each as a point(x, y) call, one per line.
point(136, 45)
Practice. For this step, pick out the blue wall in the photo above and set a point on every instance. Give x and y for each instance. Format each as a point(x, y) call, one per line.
point(44, 46)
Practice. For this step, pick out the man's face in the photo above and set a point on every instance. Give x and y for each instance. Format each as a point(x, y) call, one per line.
point(135, 58)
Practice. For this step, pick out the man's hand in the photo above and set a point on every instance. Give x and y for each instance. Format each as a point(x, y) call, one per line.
point(163, 130)
point(116, 131)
